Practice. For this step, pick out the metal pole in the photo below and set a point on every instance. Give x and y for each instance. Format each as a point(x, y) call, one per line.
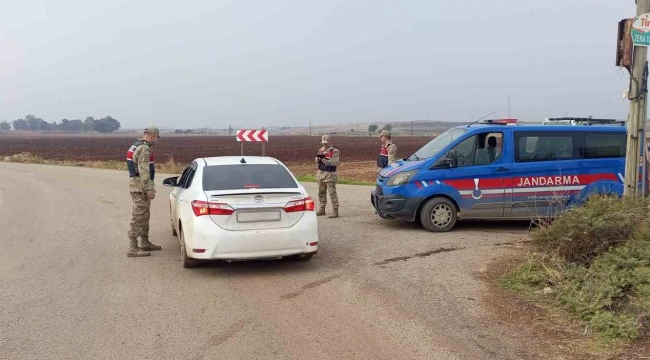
point(242, 148)
point(263, 148)
point(636, 118)
point(644, 140)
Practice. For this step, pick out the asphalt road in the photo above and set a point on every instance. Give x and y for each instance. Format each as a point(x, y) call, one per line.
point(377, 289)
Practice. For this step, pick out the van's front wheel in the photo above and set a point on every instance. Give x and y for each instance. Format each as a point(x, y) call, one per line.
point(439, 215)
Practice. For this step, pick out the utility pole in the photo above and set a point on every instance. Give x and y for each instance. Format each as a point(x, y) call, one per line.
point(309, 129)
point(411, 128)
point(637, 117)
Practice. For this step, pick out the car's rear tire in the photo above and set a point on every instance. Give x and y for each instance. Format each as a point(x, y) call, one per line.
point(174, 233)
point(186, 261)
point(439, 215)
point(171, 220)
point(304, 257)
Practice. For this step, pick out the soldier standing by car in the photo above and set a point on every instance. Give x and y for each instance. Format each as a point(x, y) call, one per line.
point(327, 160)
point(388, 151)
point(140, 160)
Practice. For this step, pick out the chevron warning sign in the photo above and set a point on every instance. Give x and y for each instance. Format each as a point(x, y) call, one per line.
point(252, 136)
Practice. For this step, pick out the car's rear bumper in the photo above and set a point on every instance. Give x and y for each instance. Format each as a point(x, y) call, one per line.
point(395, 206)
point(218, 243)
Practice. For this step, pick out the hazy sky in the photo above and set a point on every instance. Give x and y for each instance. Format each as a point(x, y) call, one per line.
point(289, 62)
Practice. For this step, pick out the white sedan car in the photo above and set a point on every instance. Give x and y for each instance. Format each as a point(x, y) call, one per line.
point(241, 208)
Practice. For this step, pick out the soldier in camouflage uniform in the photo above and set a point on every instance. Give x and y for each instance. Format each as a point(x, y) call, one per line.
point(388, 151)
point(327, 160)
point(140, 160)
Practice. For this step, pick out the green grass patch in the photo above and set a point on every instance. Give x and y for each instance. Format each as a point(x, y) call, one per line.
point(312, 179)
point(593, 263)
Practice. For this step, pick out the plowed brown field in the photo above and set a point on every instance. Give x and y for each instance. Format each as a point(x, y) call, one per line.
point(357, 153)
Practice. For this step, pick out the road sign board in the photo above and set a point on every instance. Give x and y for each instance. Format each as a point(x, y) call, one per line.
point(641, 30)
point(252, 136)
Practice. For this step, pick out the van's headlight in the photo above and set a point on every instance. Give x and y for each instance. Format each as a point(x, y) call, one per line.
point(401, 178)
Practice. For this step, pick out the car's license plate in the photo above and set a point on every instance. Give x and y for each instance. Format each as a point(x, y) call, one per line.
point(257, 216)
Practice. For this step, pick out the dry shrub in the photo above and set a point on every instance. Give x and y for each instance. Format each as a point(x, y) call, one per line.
point(584, 232)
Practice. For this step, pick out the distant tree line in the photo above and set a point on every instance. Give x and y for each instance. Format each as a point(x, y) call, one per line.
point(372, 128)
point(30, 122)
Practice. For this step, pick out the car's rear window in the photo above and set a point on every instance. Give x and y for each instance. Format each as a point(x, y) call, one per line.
point(247, 176)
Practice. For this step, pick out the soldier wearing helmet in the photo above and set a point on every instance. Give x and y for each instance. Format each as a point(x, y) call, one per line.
point(140, 160)
point(327, 160)
point(388, 151)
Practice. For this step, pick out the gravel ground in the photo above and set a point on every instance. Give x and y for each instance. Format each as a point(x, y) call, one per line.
point(377, 289)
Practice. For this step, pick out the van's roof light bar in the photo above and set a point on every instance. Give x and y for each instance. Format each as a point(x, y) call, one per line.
point(582, 121)
point(500, 122)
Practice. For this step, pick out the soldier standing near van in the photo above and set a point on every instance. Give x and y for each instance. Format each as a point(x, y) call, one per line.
point(140, 160)
point(327, 160)
point(388, 151)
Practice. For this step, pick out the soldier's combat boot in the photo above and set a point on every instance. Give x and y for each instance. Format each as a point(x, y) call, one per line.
point(135, 251)
point(321, 212)
point(148, 246)
point(334, 214)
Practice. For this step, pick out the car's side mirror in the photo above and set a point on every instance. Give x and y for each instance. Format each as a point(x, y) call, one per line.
point(171, 182)
point(446, 162)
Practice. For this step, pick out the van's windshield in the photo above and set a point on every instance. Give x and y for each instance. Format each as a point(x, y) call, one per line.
point(437, 144)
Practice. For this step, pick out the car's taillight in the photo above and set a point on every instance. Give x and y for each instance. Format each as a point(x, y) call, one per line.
point(201, 208)
point(306, 204)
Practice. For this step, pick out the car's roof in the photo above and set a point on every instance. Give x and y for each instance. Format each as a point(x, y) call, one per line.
point(558, 128)
point(236, 160)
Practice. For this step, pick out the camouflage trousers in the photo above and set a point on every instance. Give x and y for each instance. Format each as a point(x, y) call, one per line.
point(140, 217)
point(323, 189)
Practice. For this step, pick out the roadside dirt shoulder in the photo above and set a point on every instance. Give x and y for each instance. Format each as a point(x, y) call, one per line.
point(541, 332)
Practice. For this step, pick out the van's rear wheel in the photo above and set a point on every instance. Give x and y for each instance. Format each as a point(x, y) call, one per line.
point(439, 215)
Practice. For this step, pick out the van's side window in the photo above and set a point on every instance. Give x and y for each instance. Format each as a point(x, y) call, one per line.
point(543, 147)
point(480, 149)
point(603, 145)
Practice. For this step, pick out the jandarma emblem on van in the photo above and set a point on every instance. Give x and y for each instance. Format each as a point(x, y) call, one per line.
point(549, 181)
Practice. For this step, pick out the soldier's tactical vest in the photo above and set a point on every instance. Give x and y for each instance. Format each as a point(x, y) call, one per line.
point(382, 159)
point(328, 155)
point(133, 170)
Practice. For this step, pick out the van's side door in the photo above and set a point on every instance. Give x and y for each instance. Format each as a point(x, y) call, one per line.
point(545, 173)
point(482, 172)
